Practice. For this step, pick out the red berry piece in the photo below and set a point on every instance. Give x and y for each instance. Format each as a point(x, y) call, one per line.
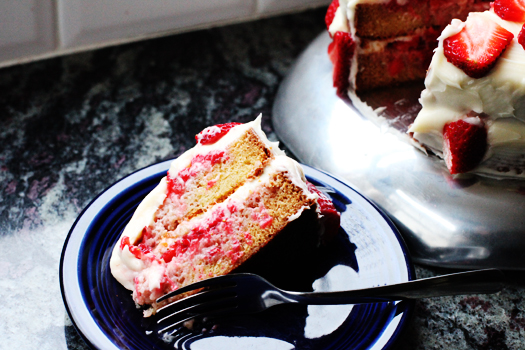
point(476, 48)
point(133, 249)
point(464, 144)
point(341, 50)
point(521, 36)
point(330, 13)
point(510, 10)
point(331, 219)
point(213, 134)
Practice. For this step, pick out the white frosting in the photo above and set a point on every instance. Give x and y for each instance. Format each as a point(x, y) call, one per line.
point(155, 272)
point(125, 267)
point(507, 131)
point(450, 94)
point(340, 22)
point(123, 263)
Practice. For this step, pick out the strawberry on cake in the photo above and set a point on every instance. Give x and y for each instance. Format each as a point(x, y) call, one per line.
point(473, 113)
point(380, 43)
point(220, 203)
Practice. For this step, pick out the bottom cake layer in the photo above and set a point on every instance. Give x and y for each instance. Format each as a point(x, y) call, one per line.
point(395, 61)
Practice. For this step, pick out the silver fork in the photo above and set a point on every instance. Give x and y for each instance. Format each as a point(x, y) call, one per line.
point(245, 293)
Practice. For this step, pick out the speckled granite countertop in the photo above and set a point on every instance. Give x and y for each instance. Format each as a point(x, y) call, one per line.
point(71, 126)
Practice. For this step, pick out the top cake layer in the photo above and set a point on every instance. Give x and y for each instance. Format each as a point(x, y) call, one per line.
point(378, 19)
point(380, 43)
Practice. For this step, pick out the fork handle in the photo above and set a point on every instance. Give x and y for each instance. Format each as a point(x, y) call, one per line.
point(473, 282)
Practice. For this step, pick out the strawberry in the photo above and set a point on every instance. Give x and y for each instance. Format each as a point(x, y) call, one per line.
point(510, 10)
point(331, 219)
point(341, 50)
point(464, 144)
point(521, 36)
point(330, 13)
point(476, 48)
point(213, 134)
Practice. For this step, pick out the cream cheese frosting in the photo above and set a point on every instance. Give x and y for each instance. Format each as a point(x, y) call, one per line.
point(450, 94)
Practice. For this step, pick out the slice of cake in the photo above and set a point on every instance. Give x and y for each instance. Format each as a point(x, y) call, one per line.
point(220, 203)
point(473, 111)
point(378, 43)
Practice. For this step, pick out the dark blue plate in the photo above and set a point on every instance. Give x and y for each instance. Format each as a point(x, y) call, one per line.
point(368, 251)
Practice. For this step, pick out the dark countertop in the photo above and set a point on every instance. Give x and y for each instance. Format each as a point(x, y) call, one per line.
point(71, 126)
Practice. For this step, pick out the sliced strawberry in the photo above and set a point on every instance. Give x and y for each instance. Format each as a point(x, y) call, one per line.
point(476, 48)
point(341, 50)
point(213, 134)
point(330, 13)
point(510, 10)
point(464, 144)
point(521, 36)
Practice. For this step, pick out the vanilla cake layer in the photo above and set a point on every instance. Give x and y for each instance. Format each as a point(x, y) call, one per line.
point(386, 62)
point(387, 19)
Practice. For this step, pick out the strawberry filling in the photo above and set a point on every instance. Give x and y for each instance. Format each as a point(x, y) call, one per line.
point(199, 163)
point(214, 237)
point(212, 134)
point(137, 251)
point(262, 216)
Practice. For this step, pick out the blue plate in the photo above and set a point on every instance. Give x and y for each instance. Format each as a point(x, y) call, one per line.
point(368, 251)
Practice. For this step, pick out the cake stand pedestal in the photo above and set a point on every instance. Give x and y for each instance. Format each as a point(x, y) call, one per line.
point(455, 222)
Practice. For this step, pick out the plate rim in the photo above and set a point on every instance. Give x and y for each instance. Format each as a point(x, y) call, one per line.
point(161, 166)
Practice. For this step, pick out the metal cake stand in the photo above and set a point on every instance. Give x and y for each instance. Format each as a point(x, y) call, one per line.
point(457, 222)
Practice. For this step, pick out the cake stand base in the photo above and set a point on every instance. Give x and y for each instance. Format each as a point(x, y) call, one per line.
point(457, 222)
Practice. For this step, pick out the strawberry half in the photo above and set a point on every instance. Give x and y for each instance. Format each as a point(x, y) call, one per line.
point(510, 10)
point(521, 37)
point(476, 48)
point(341, 50)
point(330, 13)
point(464, 144)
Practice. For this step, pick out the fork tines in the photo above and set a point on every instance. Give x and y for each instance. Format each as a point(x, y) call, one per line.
point(225, 281)
point(206, 303)
point(218, 297)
